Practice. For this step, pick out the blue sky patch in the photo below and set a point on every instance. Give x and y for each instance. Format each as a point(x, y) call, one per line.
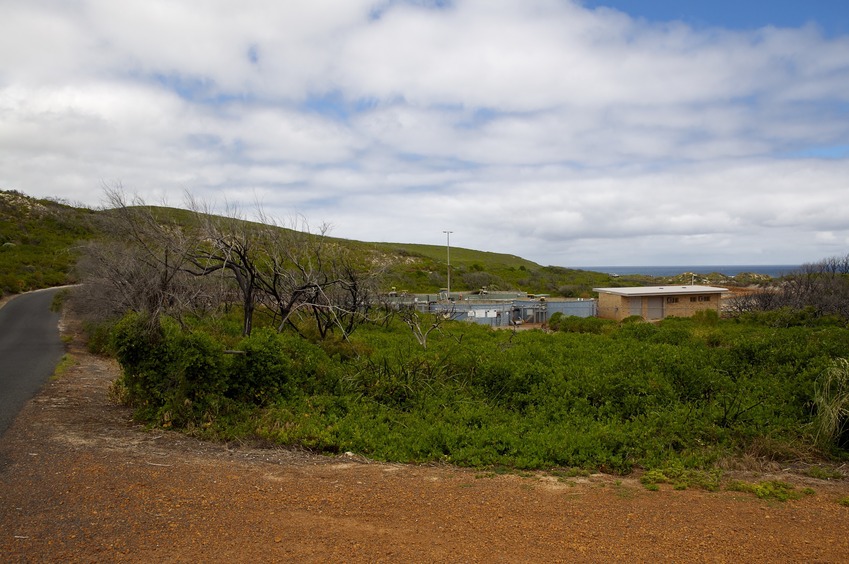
point(830, 15)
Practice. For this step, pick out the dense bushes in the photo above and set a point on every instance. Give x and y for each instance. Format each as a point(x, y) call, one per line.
point(627, 394)
point(177, 376)
point(278, 366)
point(171, 376)
point(573, 324)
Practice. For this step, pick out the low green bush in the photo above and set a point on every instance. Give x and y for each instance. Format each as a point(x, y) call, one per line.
point(791, 317)
point(99, 337)
point(657, 396)
point(265, 371)
point(639, 330)
point(575, 324)
point(169, 375)
point(770, 490)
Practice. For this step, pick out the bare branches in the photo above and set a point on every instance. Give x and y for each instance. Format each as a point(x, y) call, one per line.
point(228, 244)
point(422, 325)
point(822, 287)
point(141, 267)
point(156, 264)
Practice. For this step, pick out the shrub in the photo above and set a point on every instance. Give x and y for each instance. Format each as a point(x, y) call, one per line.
point(575, 324)
point(99, 338)
point(140, 349)
point(671, 334)
point(638, 394)
point(831, 397)
point(774, 490)
point(168, 375)
point(682, 478)
point(264, 372)
point(637, 329)
point(278, 365)
point(791, 317)
point(706, 317)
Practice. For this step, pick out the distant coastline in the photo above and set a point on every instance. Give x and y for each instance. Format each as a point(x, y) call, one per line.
point(772, 270)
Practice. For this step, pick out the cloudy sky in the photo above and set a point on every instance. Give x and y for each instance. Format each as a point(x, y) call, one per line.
point(569, 132)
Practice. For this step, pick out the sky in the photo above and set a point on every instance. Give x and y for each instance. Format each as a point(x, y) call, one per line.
point(567, 132)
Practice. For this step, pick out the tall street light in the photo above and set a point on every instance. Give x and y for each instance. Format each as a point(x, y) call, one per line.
point(448, 252)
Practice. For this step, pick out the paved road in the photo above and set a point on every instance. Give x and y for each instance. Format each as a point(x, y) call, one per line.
point(30, 348)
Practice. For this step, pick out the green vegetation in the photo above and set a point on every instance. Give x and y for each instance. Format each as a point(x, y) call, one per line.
point(65, 364)
point(674, 397)
point(235, 330)
point(423, 268)
point(681, 478)
point(38, 240)
point(831, 397)
point(770, 490)
point(821, 473)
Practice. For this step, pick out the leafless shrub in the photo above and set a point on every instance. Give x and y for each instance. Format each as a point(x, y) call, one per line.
point(139, 266)
point(153, 264)
point(822, 286)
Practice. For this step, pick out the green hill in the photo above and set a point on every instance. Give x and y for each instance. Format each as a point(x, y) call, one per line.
point(40, 244)
point(423, 268)
point(39, 241)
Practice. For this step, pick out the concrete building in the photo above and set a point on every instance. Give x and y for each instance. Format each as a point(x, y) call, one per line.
point(657, 302)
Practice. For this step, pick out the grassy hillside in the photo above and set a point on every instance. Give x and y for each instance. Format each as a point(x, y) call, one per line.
point(38, 241)
point(423, 268)
point(460, 257)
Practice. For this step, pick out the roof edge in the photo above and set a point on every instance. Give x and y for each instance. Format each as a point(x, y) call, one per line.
point(667, 290)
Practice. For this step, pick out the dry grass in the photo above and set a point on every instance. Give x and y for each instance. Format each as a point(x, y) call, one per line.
point(831, 397)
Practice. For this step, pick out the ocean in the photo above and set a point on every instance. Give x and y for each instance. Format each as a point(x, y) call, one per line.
point(773, 270)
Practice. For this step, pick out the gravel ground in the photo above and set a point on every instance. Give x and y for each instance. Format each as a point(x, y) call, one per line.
point(80, 482)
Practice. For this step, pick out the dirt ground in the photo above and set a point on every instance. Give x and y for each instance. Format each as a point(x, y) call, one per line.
point(80, 482)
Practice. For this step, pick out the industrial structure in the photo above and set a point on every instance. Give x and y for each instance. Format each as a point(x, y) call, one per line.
point(506, 309)
point(657, 302)
point(496, 309)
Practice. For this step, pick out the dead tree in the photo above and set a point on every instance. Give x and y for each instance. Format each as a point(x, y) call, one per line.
point(229, 244)
point(348, 297)
point(310, 275)
point(139, 266)
point(422, 325)
point(155, 264)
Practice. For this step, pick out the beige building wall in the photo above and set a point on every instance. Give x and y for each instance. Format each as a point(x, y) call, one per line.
point(686, 305)
point(613, 306)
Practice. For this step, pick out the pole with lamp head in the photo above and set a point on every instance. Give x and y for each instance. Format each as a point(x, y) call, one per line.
point(448, 256)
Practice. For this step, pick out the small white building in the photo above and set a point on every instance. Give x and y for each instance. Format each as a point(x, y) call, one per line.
point(657, 302)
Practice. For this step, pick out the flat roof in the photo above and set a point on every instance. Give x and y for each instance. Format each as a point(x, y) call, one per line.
point(662, 290)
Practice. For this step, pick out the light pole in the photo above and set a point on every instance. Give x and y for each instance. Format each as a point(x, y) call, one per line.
point(448, 253)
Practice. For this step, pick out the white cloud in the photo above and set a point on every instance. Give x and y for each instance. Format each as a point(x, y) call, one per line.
point(538, 128)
